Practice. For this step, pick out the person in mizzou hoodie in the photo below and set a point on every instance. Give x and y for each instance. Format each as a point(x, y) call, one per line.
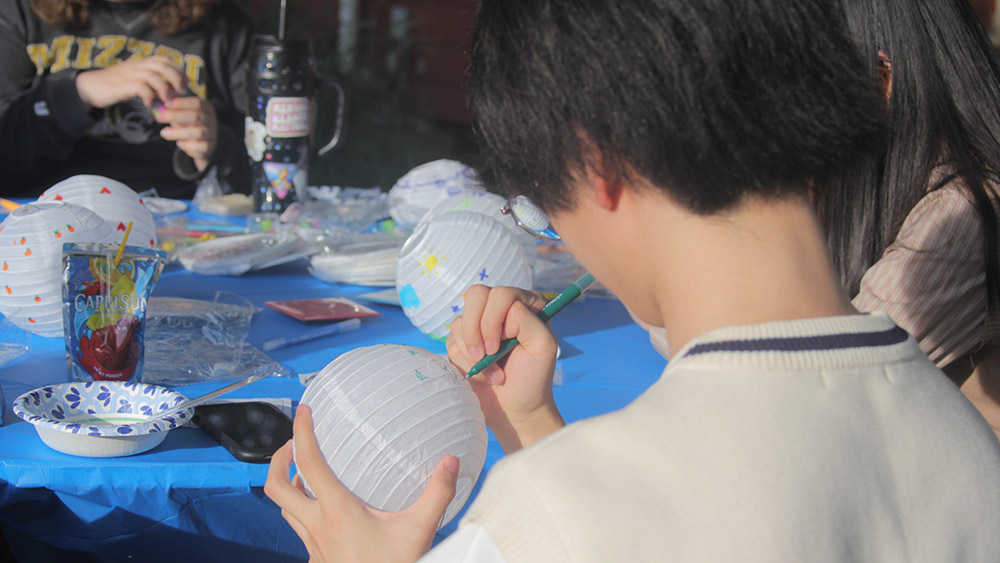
point(148, 92)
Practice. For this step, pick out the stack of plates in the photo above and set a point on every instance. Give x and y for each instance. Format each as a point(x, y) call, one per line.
point(367, 260)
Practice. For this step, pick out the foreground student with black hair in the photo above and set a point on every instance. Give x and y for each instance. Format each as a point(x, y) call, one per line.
point(674, 145)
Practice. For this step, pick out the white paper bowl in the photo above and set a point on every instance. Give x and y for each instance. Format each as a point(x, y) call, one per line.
point(385, 415)
point(112, 200)
point(100, 418)
point(413, 195)
point(31, 240)
point(446, 255)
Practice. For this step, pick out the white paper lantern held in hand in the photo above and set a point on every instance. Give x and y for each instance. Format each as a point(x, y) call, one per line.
point(31, 240)
point(385, 415)
point(113, 201)
point(489, 204)
point(420, 189)
point(447, 254)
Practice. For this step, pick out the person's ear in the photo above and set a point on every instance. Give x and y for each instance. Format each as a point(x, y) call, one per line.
point(603, 180)
point(885, 74)
point(605, 183)
point(607, 190)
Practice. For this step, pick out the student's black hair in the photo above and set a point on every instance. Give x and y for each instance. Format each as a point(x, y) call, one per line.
point(710, 100)
point(944, 109)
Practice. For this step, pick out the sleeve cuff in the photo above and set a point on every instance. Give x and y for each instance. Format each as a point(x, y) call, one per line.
point(65, 106)
point(184, 166)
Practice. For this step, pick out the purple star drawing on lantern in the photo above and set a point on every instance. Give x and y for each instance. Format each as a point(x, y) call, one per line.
point(483, 275)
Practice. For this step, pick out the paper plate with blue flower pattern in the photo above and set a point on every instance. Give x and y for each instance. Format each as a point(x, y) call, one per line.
point(100, 418)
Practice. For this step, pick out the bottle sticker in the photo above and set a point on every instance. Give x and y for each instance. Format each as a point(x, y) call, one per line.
point(280, 177)
point(254, 139)
point(289, 117)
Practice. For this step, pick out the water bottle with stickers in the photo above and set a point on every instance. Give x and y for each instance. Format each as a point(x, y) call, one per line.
point(282, 84)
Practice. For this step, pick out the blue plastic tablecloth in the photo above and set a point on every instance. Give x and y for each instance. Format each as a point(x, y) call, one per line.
point(189, 499)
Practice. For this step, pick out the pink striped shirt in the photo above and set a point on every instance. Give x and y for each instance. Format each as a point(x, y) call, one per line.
point(932, 279)
point(932, 282)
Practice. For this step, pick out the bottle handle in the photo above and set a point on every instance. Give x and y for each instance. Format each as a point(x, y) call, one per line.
point(341, 105)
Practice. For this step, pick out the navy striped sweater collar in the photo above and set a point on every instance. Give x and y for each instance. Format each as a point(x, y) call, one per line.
point(863, 339)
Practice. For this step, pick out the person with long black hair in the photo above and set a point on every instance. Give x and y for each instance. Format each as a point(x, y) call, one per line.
point(920, 241)
point(148, 92)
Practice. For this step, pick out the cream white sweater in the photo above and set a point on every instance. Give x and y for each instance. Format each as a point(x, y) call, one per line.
point(822, 440)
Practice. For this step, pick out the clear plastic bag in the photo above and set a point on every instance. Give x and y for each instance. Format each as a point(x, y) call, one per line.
point(555, 269)
point(14, 341)
point(192, 341)
point(235, 255)
point(336, 210)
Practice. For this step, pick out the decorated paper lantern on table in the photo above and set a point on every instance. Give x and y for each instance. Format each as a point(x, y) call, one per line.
point(447, 254)
point(489, 204)
point(385, 415)
point(31, 240)
point(113, 201)
point(422, 188)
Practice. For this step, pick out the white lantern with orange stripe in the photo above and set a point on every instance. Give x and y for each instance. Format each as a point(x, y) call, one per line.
point(31, 240)
point(113, 201)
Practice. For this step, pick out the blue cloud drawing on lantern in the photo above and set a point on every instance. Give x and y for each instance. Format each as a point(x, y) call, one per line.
point(408, 297)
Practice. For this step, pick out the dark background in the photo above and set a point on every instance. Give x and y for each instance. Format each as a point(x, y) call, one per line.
point(405, 83)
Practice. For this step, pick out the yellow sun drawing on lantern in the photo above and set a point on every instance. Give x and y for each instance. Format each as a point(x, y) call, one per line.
point(430, 263)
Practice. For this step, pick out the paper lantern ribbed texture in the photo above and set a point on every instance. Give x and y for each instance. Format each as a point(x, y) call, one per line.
point(488, 204)
point(420, 189)
point(385, 415)
point(31, 240)
point(113, 201)
point(447, 254)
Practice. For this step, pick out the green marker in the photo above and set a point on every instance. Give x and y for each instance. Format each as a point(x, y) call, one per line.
point(548, 311)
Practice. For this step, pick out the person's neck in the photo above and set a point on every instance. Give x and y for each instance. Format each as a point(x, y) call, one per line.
point(765, 261)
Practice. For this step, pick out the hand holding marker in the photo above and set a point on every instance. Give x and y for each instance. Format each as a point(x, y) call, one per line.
point(548, 311)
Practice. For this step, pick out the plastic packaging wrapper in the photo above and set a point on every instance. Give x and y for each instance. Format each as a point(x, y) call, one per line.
point(235, 255)
point(229, 205)
point(191, 341)
point(555, 269)
point(13, 341)
point(359, 259)
point(336, 211)
point(160, 205)
point(215, 197)
point(385, 415)
point(175, 232)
